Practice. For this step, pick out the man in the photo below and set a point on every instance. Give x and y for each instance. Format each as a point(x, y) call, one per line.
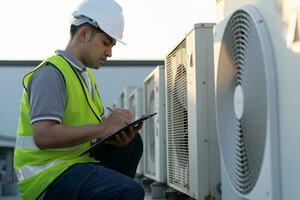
point(60, 114)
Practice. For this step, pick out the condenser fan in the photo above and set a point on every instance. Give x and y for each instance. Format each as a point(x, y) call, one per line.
point(243, 97)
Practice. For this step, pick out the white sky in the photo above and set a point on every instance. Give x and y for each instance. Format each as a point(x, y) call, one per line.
point(34, 29)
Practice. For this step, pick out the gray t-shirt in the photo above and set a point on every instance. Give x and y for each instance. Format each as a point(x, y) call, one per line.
point(47, 90)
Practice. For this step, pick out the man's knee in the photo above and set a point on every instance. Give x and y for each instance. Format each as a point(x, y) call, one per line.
point(131, 191)
point(134, 191)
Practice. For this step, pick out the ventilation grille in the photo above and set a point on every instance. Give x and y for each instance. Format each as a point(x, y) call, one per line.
point(122, 100)
point(242, 101)
point(177, 118)
point(149, 128)
point(132, 106)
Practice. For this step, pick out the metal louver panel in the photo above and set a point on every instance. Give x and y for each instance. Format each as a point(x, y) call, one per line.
point(132, 106)
point(155, 166)
point(177, 118)
point(135, 105)
point(149, 128)
point(242, 99)
point(122, 100)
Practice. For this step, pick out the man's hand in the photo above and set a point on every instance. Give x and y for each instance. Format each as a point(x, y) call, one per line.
point(124, 138)
point(116, 120)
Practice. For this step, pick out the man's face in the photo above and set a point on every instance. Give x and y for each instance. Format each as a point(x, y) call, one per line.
point(96, 49)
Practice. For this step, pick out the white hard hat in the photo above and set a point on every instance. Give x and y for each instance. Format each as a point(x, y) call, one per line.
point(106, 14)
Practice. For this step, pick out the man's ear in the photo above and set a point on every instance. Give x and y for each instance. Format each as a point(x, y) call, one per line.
point(84, 33)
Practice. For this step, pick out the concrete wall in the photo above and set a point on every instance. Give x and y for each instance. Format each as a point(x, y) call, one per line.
point(10, 95)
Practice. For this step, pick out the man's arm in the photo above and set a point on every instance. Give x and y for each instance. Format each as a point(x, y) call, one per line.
point(50, 134)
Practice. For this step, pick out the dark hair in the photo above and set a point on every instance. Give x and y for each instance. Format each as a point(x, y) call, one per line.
point(74, 29)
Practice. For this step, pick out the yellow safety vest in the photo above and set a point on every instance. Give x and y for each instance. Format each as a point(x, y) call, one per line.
point(37, 168)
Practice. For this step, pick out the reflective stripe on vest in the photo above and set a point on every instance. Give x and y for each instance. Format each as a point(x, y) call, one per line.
point(29, 171)
point(27, 142)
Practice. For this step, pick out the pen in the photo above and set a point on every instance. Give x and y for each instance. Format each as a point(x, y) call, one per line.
point(108, 108)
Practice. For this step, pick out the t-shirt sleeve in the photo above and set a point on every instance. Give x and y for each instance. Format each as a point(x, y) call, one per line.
point(47, 95)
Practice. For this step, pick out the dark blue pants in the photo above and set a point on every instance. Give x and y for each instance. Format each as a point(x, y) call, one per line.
point(112, 179)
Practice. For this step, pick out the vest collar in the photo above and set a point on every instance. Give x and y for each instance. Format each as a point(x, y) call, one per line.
point(71, 59)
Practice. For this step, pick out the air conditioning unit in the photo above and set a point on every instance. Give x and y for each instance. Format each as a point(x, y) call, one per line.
point(135, 105)
point(7, 174)
point(155, 164)
point(192, 146)
point(116, 103)
point(124, 97)
point(257, 103)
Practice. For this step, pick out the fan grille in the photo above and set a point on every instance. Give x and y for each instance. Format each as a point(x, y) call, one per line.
point(150, 128)
point(132, 106)
point(177, 118)
point(241, 101)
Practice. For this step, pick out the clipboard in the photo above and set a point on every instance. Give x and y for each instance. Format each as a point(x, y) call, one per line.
point(133, 124)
